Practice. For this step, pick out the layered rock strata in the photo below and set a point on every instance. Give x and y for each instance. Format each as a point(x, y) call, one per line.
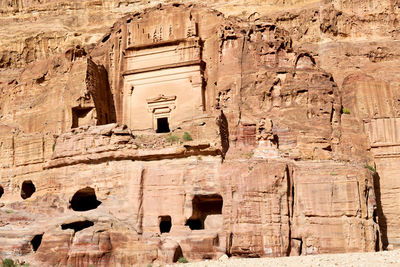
point(186, 133)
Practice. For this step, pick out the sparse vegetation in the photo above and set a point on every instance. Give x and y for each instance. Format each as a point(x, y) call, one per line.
point(54, 147)
point(345, 111)
point(9, 211)
point(182, 260)
point(187, 137)
point(369, 167)
point(7, 263)
point(249, 155)
point(171, 138)
point(11, 263)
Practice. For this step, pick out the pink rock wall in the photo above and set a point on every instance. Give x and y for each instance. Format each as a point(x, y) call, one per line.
point(276, 165)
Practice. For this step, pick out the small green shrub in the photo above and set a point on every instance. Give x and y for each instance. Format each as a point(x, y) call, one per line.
point(249, 155)
point(182, 260)
point(8, 212)
point(171, 138)
point(149, 265)
point(92, 265)
point(7, 263)
point(54, 147)
point(345, 111)
point(369, 167)
point(11, 263)
point(187, 137)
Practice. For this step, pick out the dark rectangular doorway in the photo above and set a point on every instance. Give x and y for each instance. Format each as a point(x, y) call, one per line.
point(162, 125)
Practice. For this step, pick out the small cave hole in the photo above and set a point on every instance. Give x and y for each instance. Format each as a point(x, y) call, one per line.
point(177, 254)
point(27, 189)
point(84, 199)
point(204, 205)
point(1, 191)
point(41, 79)
point(106, 38)
point(194, 224)
point(328, 148)
point(162, 125)
point(80, 117)
point(36, 241)
point(77, 226)
point(165, 224)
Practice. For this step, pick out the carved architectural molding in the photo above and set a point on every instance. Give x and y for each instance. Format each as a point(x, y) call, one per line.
point(163, 72)
point(161, 102)
point(161, 107)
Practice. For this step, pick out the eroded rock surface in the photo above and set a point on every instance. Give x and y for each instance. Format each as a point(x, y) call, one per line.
point(185, 133)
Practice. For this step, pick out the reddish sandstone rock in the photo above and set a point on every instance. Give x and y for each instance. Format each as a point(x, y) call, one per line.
point(186, 133)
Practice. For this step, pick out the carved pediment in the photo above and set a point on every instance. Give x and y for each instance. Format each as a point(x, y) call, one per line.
point(161, 102)
point(160, 98)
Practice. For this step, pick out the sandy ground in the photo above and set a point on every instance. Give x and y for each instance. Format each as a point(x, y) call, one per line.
point(372, 259)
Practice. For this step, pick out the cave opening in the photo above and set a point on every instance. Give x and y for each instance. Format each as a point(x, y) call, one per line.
point(80, 116)
point(194, 224)
point(27, 189)
point(162, 125)
point(1, 191)
point(77, 226)
point(204, 205)
point(177, 254)
point(36, 241)
point(84, 199)
point(165, 224)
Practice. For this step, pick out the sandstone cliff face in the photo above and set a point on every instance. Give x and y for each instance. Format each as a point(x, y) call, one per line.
point(253, 207)
point(283, 127)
